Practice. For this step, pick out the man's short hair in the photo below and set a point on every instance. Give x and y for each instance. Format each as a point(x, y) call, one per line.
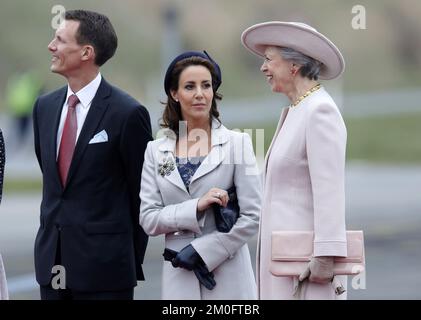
point(95, 29)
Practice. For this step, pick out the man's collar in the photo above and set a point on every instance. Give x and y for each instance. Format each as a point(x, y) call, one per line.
point(87, 93)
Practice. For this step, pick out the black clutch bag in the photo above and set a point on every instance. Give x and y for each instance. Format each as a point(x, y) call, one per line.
point(225, 217)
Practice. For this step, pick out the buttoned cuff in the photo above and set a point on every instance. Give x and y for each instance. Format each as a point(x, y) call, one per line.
point(186, 218)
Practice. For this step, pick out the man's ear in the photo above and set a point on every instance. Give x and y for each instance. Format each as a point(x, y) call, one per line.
point(88, 53)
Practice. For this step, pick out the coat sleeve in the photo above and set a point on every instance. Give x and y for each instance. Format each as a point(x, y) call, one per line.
point(155, 217)
point(325, 146)
point(36, 133)
point(135, 135)
point(216, 247)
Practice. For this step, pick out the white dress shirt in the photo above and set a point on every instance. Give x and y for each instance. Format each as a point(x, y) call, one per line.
point(85, 95)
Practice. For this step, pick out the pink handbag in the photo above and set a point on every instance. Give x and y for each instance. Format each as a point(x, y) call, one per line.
point(292, 251)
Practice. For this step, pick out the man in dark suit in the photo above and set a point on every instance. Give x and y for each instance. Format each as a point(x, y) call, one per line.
point(90, 139)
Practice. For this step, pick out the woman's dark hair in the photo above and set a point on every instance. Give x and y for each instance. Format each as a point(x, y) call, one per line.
point(172, 113)
point(95, 29)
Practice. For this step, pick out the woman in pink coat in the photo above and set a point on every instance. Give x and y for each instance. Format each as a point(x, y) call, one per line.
point(304, 167)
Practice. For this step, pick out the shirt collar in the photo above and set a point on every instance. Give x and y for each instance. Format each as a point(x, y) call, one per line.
point(88, 92)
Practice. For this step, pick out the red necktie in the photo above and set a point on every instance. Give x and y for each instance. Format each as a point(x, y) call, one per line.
point(68, 139)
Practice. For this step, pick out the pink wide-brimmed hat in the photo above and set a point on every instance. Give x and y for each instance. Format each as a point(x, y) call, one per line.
point(300, 37)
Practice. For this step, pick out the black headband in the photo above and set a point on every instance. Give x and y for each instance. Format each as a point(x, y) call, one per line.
point(216, 82)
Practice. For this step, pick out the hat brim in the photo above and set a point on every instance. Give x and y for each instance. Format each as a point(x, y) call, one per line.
point(299, 37)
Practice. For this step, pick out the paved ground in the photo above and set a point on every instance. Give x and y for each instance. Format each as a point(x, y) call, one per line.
point(384, 201)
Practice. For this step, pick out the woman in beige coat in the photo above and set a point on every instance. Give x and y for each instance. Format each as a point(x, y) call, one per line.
point(185, 173)
point(304, 167)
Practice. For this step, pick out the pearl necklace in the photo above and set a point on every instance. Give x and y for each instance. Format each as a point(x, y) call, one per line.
point(315, 88)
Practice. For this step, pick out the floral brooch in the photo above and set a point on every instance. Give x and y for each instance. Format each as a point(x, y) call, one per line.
point(165, 168)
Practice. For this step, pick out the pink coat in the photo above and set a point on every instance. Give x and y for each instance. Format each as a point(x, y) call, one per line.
point(304, 190)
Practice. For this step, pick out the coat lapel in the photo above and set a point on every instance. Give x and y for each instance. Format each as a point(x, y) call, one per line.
point(167, 149)
point(219, 137)
point(217, 154)
point(96, 112)
point(278, 128)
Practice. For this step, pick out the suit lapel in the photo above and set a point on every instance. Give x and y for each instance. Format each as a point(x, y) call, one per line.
point(96, 112)
point(55, 115)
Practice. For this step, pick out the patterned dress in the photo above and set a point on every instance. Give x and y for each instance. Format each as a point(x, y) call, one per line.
point(187, 167)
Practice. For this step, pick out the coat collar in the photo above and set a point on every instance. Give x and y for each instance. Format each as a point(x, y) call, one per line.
point(219, 137)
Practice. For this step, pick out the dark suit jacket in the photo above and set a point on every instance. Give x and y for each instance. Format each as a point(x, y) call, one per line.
point(95, 217)
point(2, 162)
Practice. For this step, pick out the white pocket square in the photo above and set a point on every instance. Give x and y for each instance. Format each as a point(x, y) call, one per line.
point(99, 137)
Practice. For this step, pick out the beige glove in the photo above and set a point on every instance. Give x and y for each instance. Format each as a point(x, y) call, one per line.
point(319, 270)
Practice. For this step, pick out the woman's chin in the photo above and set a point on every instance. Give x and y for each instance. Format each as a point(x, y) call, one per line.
point(201, 112)
point(276, 89)
point(200, 115)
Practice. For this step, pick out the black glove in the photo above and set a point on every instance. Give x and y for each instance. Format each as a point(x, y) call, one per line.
point(187, 258)
point(204, 276)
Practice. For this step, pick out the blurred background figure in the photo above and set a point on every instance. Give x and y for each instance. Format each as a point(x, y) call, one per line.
point(3, 285)
point(21, 92)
